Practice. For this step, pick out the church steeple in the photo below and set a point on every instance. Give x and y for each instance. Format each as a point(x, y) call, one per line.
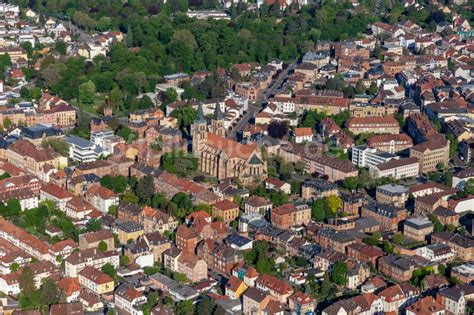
point(217, 111)
point(217, 122)
point(200, 119)
point(199, 131)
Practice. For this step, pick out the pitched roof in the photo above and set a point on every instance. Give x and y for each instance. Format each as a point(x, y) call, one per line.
point(225, 205)
point(56, 191)
point(69, 285)
point(232, 148)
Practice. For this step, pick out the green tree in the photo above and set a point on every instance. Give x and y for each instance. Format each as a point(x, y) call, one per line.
point(145, 188)
point(373, 239)
point(7, 123)
point(338, 273)
point(50, 292)
point(184, 308)
point(61, 47)
point(350, 183)
point(26, 281)
point(14, 267)
point(398, 238)
point(170, 96)
point(124, 261)
point(334, 203)
point(437, 225)
point(318, 211)
point(109, 269)
point(117, 184)
point(87, 93)
point(129, 39)
point(25, 93)
point(206, 306)
point(103, 246)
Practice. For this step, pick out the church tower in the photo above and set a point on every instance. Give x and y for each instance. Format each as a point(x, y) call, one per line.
point(217, 122)
point(199, 132)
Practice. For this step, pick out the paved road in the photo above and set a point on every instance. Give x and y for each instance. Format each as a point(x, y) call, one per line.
point(274, 86)
point(252, 109)
point(268, 92)
point(84, 36)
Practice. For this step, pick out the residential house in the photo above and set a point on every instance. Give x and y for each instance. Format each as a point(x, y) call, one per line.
point(289, 215)
point(59, 195)
point(92, 257)
point(417, 229)
point(426, 306)
point(93, 239)
point(129, 300)
point(96, 280)
point(235, 287)
point(277, 288)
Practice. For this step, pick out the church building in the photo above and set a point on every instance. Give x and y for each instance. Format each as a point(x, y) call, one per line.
point(225, 158)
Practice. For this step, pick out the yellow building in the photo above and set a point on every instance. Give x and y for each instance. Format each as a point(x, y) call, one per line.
point(129, 230)
point(96, 280)
point(235, 287)
point(226, 210)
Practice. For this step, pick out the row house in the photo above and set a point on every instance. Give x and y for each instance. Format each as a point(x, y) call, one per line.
point(101, 198)
point(27, 198)
point(129, 300)
point(398, 297)
point(59, 195)
point(92, 257)
point(41, 270)
point(378, 125)
point(79, 209)
point(463, 247)
point(289, 215)
point(387, 215)
point(367, 303)
point(333, 168)
point(364, 253)
point(335, 240)
point(25, 241)
point(96, 280)
point(27, 156)
point(277, 288)
point(93, 239)
point(219, 257)
point(391, 143)
point(431, 153)
point(398, 268)
point(154, 220)
point(20, 183)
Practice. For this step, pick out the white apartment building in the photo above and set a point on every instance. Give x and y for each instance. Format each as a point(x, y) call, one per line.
point(364, 156)
point(81, 150)
point(436, 252)
point(397, 168)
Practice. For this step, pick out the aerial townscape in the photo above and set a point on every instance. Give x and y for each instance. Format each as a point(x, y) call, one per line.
point(221, 157)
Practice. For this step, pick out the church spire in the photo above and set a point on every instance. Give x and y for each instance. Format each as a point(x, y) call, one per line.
point(218, 112)
point(200, 116)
